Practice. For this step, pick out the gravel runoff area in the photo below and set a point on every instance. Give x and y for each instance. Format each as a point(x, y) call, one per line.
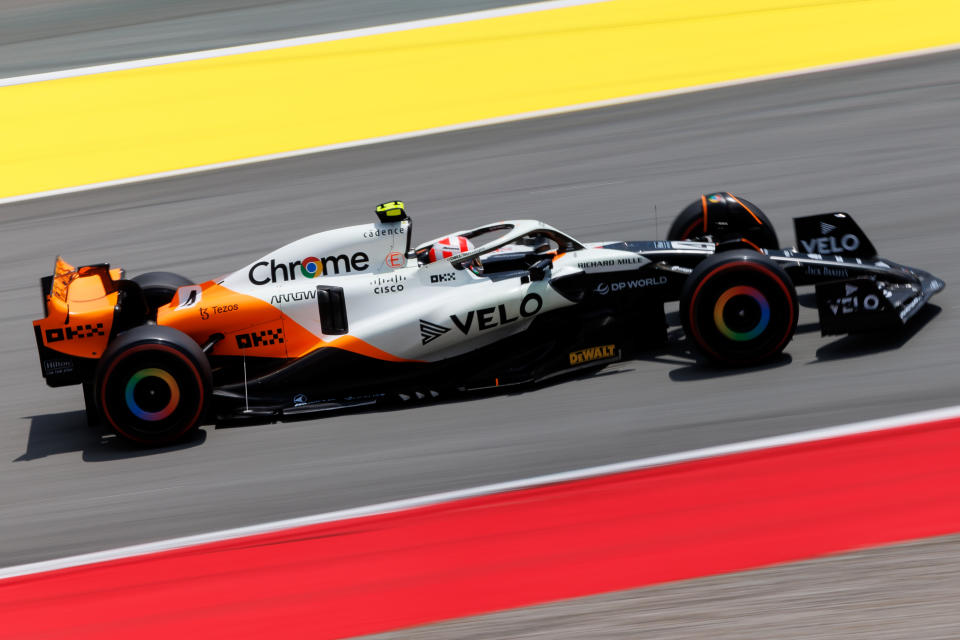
point(908, 590)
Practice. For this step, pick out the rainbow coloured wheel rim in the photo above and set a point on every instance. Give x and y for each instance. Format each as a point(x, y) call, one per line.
point(739, 308)
point(741, 313)
point(152, 394)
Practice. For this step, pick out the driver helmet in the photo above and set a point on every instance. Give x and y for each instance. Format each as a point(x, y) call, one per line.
point(448, 247)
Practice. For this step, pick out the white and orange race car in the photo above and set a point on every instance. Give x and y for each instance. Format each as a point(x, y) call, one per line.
point(354, 316)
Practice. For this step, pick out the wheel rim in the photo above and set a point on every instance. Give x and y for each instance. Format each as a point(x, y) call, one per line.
point(152, 394)
point(741, 307)
point(152, 387)
point(741, 313)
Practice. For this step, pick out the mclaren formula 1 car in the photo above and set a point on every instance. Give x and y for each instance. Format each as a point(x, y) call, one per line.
point(357, 315)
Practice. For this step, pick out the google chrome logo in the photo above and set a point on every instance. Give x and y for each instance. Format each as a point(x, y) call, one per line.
point(311, 267)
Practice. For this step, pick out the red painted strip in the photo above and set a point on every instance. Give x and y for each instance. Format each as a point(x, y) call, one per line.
point(387, 572)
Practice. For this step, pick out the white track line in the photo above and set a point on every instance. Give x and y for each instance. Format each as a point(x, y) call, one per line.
point(296, 42)
point(478, 123)
point(801, 437)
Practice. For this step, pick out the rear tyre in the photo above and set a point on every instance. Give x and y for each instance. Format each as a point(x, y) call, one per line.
point(739, 308)
point(153, 385)
point(159, 287)
point(729, 219)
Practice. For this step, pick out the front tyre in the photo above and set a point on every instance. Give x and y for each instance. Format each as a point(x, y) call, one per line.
point(739, 308)
point(153, 385)
point(724, 218)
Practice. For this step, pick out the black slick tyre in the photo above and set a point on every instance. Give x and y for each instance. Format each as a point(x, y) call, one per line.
point(153, 385)
point(724, 218)
point(739, 308)
point(158, 288)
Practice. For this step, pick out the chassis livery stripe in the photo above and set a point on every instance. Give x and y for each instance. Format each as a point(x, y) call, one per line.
point(507, 550)
point(104, 128)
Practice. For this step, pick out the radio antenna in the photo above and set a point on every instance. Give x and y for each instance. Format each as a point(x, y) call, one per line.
point(656, 223)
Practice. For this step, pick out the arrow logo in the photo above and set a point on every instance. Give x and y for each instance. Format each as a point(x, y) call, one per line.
point(430, 331)
point(826, 228)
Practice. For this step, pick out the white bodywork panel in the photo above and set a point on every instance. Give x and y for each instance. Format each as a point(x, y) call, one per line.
point(414, 312)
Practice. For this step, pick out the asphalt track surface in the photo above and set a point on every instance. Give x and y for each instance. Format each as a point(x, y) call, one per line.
point(37, 36)
point(878, 141)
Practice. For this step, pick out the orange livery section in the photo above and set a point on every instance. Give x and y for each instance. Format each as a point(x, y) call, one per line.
point(80, 304)
point(248, 325)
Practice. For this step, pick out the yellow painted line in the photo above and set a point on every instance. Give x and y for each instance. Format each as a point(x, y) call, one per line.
point(107, 127)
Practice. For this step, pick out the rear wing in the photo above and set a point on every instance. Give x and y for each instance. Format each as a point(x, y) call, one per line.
point(56, 288)
point(830, 234)
point(80, 306)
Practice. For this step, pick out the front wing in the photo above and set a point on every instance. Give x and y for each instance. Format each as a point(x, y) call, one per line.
point(865, 304)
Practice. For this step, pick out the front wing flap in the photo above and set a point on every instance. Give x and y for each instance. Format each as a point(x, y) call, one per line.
point(859, 305)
